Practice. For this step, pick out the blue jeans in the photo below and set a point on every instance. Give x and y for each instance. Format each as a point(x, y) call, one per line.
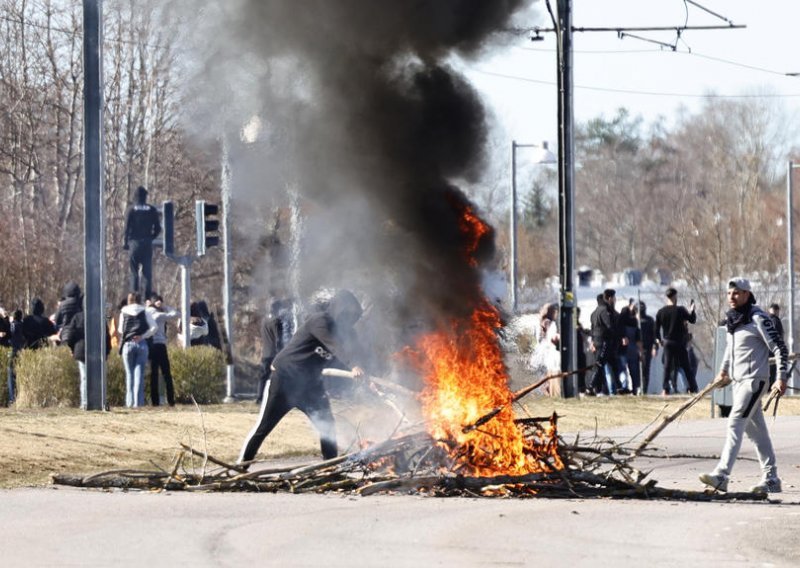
point(82, 373)
point(12, 378)
point(134, 357)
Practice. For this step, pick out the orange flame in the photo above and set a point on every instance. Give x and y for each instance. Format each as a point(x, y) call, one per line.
point(465, 378)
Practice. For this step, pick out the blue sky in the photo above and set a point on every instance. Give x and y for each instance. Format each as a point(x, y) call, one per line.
point(519, 83)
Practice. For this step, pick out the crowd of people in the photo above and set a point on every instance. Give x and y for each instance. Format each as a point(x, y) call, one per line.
point(138, 332)
point(619, 347)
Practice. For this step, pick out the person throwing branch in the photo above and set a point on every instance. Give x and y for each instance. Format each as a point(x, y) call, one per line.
point(296, 381)
point(752, 338)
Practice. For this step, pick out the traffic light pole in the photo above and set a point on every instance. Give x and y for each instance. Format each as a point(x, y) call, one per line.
point(230, 378)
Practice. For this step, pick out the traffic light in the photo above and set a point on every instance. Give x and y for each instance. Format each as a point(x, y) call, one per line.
point(168, 222)
point(207, 226)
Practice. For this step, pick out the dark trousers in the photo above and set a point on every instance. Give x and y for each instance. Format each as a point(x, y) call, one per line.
point(646, 360)
point(676, 357)
point(632, 359)
point(605, 355)
point(12, 377)
point(159, 360)
point(266, 370)
point(141, 254)
point(288, 391)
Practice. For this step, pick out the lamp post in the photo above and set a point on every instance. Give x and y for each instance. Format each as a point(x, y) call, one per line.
point(542, 156)
point(789, 254)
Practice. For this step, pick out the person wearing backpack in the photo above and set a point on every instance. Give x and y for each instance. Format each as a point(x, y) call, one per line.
point(135, 326)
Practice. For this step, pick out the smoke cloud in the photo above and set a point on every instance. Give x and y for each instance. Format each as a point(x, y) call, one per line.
point(363, 115)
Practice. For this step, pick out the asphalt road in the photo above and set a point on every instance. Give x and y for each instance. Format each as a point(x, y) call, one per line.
point(72, 527)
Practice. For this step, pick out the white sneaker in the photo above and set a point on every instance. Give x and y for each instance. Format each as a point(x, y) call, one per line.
point(715, 481)
point(768, 485)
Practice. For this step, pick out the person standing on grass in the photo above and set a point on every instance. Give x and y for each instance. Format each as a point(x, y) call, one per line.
point(159, 357)
point(649, 346)
point(276, 331)
point(74, 336)
point(775, 316)
point(751, 340)
point(606, 342)
point(671, 333)
point(135, 325)
point(37, 327)
point(17, 343)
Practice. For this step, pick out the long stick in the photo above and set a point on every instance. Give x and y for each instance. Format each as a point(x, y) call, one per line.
point(518, 395)
point(330, 372)
point(719, 382)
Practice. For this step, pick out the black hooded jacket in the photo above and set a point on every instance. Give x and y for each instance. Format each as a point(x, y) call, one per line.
point(76, 337)
point(605, 326)
point(69, 306)
point(324, 340)
point(36, 327)
point(141, 221)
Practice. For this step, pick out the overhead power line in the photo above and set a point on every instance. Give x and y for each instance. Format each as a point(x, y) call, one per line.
point(636, 92)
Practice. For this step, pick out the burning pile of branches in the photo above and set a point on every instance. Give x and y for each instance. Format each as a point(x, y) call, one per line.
point(416, 463)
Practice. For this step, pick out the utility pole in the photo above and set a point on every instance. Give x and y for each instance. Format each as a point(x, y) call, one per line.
point(566, 194)
point(790, 256)
point(230, 378)
point(93, 219)
point(563, 28)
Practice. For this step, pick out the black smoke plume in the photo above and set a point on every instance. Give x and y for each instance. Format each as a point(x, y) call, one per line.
point(364, 115)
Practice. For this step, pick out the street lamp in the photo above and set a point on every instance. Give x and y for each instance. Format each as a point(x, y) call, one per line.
point(789, 255)
point(542, 155)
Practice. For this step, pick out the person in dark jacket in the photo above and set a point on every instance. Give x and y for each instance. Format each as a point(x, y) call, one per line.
point(649, 347)
point(296, 382)
point(74, 334)
point(203, 328)
point(17, 343)
point(276, 330)
point(629, 325)
point(671, 333)
point(36, 327)
point(775, 316)
point(580, 349)
point(71, 303)
point(606, 341)
point(141, 227)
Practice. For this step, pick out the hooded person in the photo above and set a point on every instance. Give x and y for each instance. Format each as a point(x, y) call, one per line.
point(71, 304)
point(141, 227)
point(36, 327)
point(326, 339)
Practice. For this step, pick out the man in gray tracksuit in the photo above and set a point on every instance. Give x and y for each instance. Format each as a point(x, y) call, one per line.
point(751, 340)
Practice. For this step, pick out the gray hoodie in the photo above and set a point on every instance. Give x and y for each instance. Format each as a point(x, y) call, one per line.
point(750, 346)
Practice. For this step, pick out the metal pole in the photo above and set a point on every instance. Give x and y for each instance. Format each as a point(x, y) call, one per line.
point(789, 255)
point(512, 229)
point(566, 192)
point(186, 294)
point(94, 226)
point(230, 381)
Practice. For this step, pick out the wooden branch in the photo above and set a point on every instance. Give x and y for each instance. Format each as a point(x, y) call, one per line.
point(212, 459)
point(387, 384)
point(518, 395)
point(667, 420)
